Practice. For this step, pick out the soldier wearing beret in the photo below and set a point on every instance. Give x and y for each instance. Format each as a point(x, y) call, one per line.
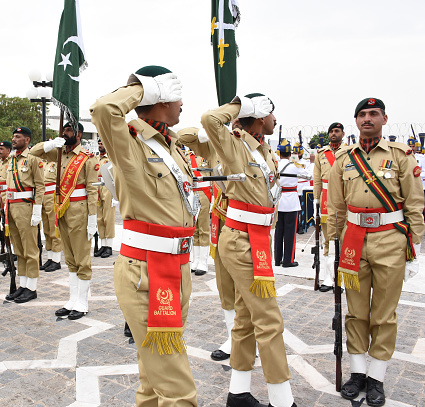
point(375, 193)
point(5, 148)
point(245, 246)
point(152, 273)
point(76, 212)
point(105, 211)
point(24, 196)
point(324, 161)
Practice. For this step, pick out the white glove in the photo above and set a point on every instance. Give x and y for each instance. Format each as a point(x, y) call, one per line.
point(162, 88)
point(202, 136)
point(412, 267)
point(315, 202)
point(57, 142)
point(36, 215)
point(114, 203)
point(91, 226)
point(258, 107)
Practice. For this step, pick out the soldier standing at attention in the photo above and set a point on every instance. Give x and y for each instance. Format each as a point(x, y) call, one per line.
point(105, 212)
point(152, 273)
point(376, 194)
point(324, 161)
point(53, 243)
point(76, 213)
point(245, 246)
point(24, 196)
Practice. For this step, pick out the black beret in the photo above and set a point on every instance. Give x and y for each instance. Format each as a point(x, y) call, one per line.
point(254, 95)
point(369, 103)
point(336, 125)
point(80, 126)
point(22, 130)
point(152, 71)
point(6, 144)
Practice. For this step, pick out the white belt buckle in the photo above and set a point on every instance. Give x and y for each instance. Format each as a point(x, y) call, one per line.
point(182, 245)
point(10, 195)
point(369, 220)
point(269, 219)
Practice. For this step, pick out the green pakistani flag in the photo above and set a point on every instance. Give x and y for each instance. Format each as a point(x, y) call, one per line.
point(70, 60)
point(224, 18)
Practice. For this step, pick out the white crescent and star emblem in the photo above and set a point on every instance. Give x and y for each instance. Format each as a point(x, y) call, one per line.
point(66, 58)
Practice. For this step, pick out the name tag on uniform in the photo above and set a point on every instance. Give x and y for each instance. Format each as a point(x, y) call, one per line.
point(254, 165)
point(155, 160)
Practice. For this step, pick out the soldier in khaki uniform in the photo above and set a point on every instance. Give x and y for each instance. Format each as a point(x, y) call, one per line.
point(53, 243)
point(323, 163)
point(197, 140)
point(245, 247)
point(5, 148)
point(24, 196)
point(76, 213)
point(375, 191)
point(152, 183)
point(105, 212)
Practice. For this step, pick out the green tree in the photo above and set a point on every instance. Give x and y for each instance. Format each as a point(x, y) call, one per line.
point(15, 112)
point(314, 141)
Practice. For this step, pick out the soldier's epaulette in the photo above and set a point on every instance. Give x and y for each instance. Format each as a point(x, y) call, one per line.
point(322, 149)
point(342, 150)
point(401, 146)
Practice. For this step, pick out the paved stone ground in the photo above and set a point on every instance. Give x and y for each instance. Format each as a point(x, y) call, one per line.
point(52, 362)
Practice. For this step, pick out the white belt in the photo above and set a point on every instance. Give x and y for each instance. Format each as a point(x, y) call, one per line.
point(49, 188)
point(263, 219)
point(3, 187)
point(11, 196)
point(172, 245)
point(79, 192)
point(324, 185)
point(203, 184)
point(373, 220)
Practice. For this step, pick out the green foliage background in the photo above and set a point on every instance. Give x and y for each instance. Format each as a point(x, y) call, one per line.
point(314, 141)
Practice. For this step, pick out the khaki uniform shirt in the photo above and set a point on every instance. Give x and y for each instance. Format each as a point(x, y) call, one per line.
point(322, 168)
point(30, 172)
point(347, 187)
point(3, 173)
point(145, 187)
point(49, 171)
point(236, 158)
point(87, 176)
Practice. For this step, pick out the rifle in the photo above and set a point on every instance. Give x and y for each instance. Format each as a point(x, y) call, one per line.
point(300, 137)
point(96, 242)
point(280, 134)
point(40, 245)
point(413, 131)
point(316, 249)
point(2, 242)
point(7, 258)
point(337, 319)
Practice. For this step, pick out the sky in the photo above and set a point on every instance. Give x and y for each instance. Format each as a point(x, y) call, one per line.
point(315, 60)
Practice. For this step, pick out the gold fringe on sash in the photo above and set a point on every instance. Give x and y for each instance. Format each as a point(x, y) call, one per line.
point(6, 230)
point(351, 279)
point(60, 212)
point(220, 207)
point(323, 218)
point(166, 342)
point(263, 288)
point(57, 234)
point(212, 250)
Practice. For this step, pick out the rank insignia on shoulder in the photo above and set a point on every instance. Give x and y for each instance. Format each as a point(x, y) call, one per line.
point(409, 151)
point(417, 171)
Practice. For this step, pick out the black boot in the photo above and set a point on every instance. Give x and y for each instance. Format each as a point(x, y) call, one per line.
point(242, 400)
point(293, 405)
point(99, 252)
point(325, 288)
point(127, 331)
point(45, 265)
point(375, 393)
point(76, 314)
point(27, 295)
point(293, 264)
point(62, 312)
point(106, 252)
point(17, 293)
point(200, 272)
point(351, 389)
point(53, 266)
point(219, 355)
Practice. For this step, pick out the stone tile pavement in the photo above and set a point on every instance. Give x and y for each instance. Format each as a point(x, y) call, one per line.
point(50, 362)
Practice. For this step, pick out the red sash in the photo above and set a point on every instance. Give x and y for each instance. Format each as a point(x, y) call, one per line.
point(165, 326)
point(205, 190)
point(324, 203)
point(263, 285)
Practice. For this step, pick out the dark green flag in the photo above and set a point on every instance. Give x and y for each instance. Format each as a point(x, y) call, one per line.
point(70, 61)
point(224, 18)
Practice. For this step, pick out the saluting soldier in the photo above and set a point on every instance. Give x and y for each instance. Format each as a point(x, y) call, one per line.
point(244, 246)
point(375, 193)
point(76, 213)
point(153, 185)
point(5, 148)
point(105, 212)
point(53, 242)
point(324, 161)
point(24, 196)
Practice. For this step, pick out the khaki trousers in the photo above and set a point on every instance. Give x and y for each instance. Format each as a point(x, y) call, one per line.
point(324, 227)
point(76, 246)
point(24, 238)
point(165, 381)
point(201, 237)
point(106, 217)
point(371, 322)
point(225, 283)
point(257, 319)
point(53, 243)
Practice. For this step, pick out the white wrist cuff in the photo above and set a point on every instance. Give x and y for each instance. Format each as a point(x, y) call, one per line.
point(151, 92)
point(247, 107)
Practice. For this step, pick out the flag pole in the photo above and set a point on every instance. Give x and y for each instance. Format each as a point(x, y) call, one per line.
point(59, 164)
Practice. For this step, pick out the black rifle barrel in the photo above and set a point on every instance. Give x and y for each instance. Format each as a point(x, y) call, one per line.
point(316, 249)
point(8, 257)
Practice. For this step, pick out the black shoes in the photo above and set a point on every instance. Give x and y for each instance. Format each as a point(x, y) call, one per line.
point(325, 288)
point(277, 263)
point(99, 252)
point(62, 312)
point(375, 395)
point(219, 355)
point(200, 272)
point(351, 389)
point(294, 264)
point(106, 252)
point(242, 400)
point(27, 295)
point(76, 314)
point(52, 267)
point(17, 293)
point(45, 265)
point(293, 405)
point(127, 331)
